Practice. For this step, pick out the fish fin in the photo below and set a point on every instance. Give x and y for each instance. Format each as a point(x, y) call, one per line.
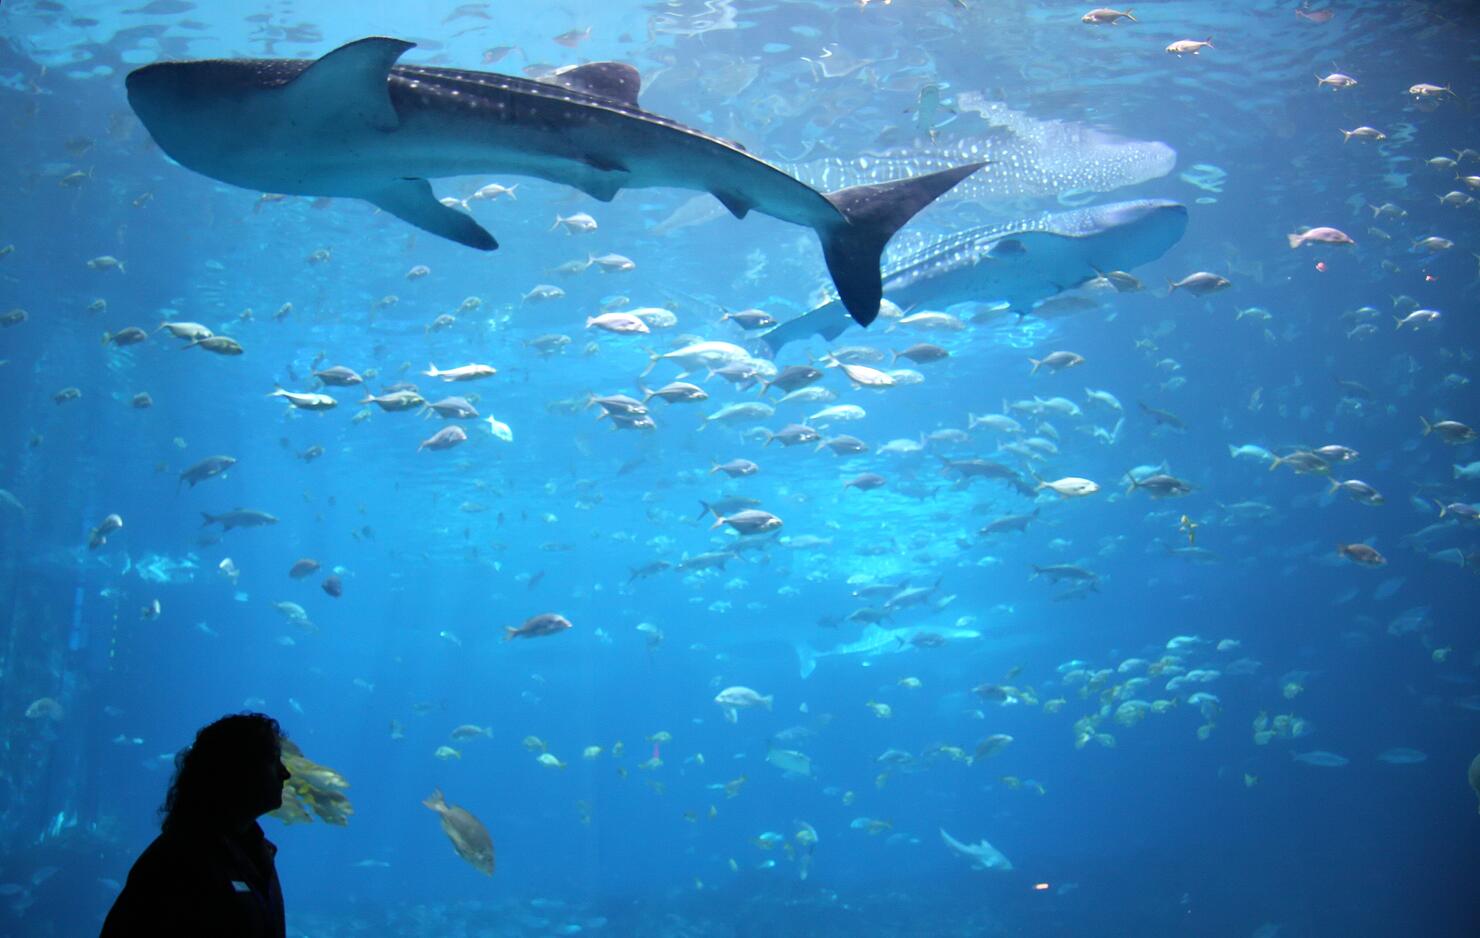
point(351, 83)
point(736, 205)
point(604, 188)
point(615, 81)
point(872, 214)
point(827, 321)
point(411, 200)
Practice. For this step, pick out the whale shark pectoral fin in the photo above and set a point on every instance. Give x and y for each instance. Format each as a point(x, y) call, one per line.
point(828, 321)
point(411, 200)
point(616, 81)
point(351, 82)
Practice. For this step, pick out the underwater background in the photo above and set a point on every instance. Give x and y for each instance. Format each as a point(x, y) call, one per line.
point(1219, 723)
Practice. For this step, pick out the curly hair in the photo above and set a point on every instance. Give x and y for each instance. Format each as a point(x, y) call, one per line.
point(214, 773)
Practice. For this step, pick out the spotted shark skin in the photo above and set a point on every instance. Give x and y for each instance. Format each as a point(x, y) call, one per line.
point(1021, 263)
point(355, 124)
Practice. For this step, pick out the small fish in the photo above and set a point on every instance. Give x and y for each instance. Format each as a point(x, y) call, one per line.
point(579, 223)
point(1189, 46)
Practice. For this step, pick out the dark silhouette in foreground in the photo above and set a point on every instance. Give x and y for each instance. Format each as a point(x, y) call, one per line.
point(210, 872)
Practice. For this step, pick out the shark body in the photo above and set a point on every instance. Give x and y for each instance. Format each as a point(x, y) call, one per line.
point(354, 124)
point(983, 856)
point(875, 640)
point(1022, 263)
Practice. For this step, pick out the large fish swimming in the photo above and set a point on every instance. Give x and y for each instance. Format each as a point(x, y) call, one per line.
point(1021, 263)
point(1028, 158)
point(355, 124)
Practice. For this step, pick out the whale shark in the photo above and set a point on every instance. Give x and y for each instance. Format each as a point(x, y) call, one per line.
point(1029, 158)
point(1020, 263)
point(354, 124)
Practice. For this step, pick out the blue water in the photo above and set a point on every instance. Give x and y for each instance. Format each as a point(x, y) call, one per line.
point(1160, 833)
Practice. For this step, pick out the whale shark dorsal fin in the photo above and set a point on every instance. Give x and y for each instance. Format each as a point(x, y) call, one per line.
point(352, 82)
point(617, 81)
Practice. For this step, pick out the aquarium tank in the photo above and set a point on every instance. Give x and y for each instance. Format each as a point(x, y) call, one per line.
point(745, 467)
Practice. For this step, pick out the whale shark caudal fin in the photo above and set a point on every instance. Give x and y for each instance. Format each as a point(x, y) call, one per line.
point(874, 213)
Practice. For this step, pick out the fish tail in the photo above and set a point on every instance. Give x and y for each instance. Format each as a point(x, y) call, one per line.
point(652, 363)
point(510, 632)
point(1036, 362)
point(704, 509)
point(1334, 486)
point(1209, 42)
point(203, 514)
point(1171, 286)
point(1443, 509)
point(106, 337)
point(1295, 239)
point(510, 191)
point(558, 219)
point(431, 371)
point(1275, 463)
point(871, 214)
point(1133, 483)
point(719, 521)
point(1130, 17)
point(1427, 427)
point(435, 801)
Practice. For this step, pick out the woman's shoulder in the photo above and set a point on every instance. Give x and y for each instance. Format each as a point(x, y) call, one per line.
point(173, 852)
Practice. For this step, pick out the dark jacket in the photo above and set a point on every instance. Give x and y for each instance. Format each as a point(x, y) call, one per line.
point(189, 884)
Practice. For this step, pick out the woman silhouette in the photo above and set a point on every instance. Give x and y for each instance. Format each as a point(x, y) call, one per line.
point(210, 872)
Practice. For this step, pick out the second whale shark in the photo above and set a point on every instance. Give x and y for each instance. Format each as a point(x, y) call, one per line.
point(1021, 263)
point(355, 124)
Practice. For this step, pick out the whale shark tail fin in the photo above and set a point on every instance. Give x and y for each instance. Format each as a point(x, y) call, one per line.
point(873, 213)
